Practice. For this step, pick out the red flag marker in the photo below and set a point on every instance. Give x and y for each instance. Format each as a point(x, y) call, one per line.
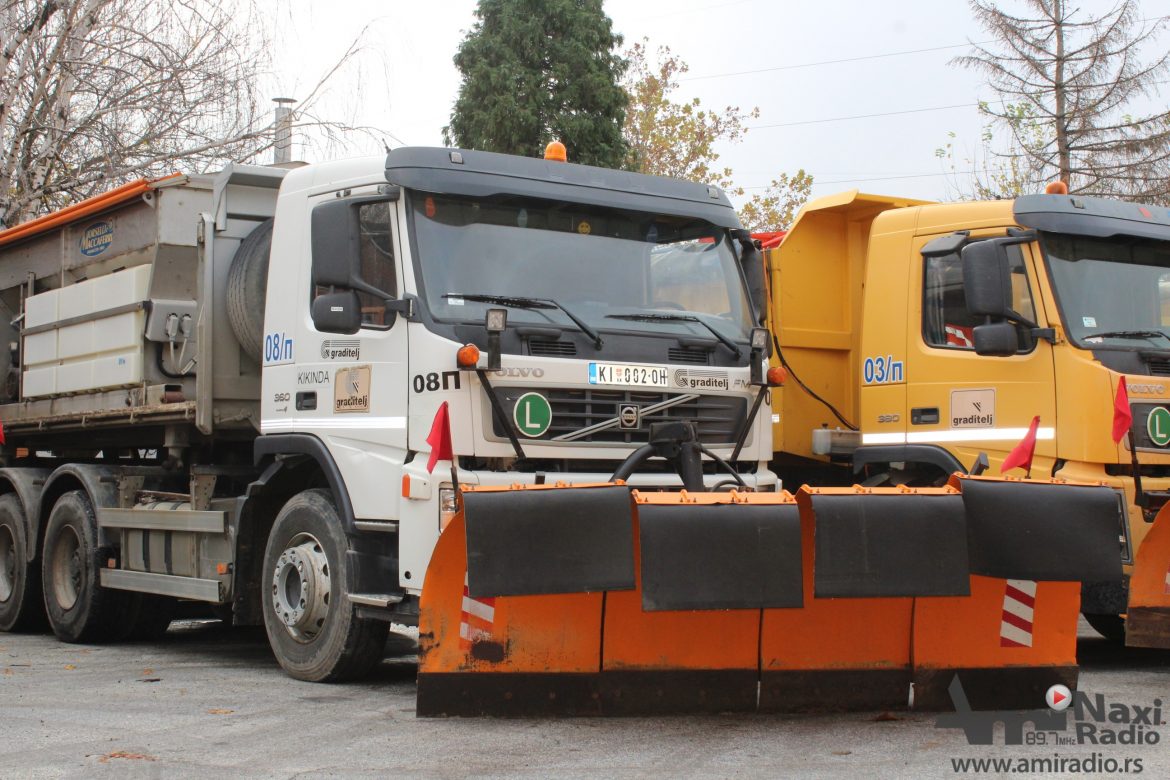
point(1021, 454)
point(1122, 416)
point(440, 438)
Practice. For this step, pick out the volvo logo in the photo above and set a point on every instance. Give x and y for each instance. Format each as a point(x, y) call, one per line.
point(629, 416)
point(1146, 389)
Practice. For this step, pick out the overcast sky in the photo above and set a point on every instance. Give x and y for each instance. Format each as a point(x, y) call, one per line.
point(808, 65)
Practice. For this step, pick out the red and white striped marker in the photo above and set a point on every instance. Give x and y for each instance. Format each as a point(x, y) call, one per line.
point(476, 619)
point(1019, 601)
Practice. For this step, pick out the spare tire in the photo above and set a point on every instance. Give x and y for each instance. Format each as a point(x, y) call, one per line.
point(247, 285)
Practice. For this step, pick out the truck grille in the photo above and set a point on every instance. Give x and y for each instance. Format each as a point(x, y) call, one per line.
point(1158, 367)
point(551, 348)
point(716, 418)
point(701, 357)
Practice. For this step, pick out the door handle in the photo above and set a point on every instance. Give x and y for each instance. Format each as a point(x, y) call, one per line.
point(924, 415)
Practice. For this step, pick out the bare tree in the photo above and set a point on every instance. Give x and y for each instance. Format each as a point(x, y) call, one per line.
point(1068, 85)
point(97, 92)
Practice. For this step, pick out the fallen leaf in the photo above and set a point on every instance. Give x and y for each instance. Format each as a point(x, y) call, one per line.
point(147, 672)
point(127, 756)
point(218, 711)
point(842, 752)
point(69, 667)
point(7, 671)
point(886, 716)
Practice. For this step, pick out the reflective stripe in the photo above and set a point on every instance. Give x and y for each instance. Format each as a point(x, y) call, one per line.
point(349, 422)
point(956, 435)
point(479, 609)
point(1010, 634)
point(1018, 609)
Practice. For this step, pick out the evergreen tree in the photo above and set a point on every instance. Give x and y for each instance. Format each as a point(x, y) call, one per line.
point(541, 70)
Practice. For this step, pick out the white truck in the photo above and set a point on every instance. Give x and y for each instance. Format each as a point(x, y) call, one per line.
point(220, 388)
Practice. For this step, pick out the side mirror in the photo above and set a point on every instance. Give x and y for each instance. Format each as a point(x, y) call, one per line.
point(987, 279)
point(333, 239)
point(752, 262)
point(335, 233)
point(337, 312)
point(996, 339)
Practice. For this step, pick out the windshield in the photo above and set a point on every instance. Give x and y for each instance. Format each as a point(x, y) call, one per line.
point(591, 261)
point(1112, 291)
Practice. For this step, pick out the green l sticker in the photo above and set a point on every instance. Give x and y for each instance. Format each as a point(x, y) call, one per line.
point(533, 415)
point(1158, 426)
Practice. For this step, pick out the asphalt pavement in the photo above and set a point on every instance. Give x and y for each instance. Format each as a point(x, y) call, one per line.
point(209, 701)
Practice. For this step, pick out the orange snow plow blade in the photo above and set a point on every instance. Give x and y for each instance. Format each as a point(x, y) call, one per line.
point(1147, 622)
point(599, 600)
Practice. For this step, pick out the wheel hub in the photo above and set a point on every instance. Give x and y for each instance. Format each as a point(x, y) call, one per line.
point(301, 588)
point(66, 568)
point(7, 563)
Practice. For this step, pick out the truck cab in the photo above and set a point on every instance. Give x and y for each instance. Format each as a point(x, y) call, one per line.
point(974, 320)
point(603, 307)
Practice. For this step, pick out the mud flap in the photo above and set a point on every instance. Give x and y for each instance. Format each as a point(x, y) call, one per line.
point(690, 660)
point(559, 540)
point(1041, 530)
point(1147, 621)
point(719, 556)
point(834, 654)
point(872, 543)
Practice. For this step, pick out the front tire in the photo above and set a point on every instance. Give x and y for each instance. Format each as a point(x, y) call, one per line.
point(20, 579)
point(1112, 627)
point(312, 627)
point(78, 607)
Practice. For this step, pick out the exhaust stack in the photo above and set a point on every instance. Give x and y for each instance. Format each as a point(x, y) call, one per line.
point(282, 130)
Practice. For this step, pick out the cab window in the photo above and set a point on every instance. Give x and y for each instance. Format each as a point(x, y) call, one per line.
point(376, 253)
point(946, 323)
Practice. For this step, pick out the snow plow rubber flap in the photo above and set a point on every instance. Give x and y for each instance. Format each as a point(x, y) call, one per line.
point(719, 556)
point(1147, 622)
point(533, 542)
point(888, 542)
point(1042, 530)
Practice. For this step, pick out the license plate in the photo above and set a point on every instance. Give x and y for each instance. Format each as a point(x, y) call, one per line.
point(625, 374)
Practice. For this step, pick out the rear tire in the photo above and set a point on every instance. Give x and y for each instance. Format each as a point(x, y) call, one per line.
point(78, 607)
point(312, 627)
point(20, 579)
point(1112, 627)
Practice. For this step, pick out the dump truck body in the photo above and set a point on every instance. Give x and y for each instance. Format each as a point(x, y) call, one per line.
point(925, 402)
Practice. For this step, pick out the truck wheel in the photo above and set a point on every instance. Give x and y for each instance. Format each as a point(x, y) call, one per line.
point(20, 581)
point(79, 608)
point(311, 625)
point(1112, 627)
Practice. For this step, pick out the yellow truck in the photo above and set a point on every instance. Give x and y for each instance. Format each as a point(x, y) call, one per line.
point(920, 336)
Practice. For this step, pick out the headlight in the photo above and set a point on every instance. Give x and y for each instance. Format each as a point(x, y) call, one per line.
point(447, 506)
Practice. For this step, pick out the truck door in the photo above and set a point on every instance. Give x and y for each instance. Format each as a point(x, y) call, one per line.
point(968, 403)
point(349, 390)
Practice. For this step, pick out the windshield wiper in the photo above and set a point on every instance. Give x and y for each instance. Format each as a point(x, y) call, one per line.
point(519, 302)
point(1127, 334)
point(681, 318)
